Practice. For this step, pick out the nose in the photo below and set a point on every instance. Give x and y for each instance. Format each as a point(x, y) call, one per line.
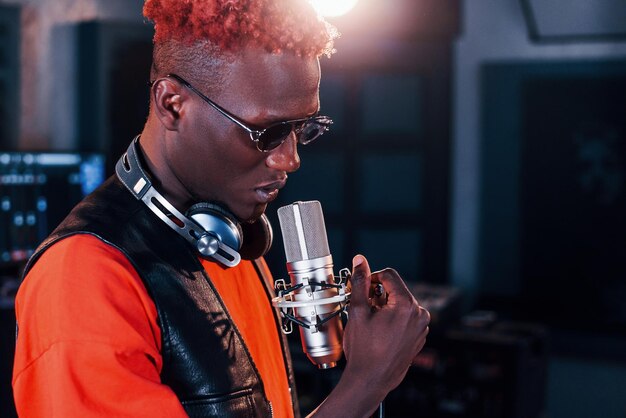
point(285, 157)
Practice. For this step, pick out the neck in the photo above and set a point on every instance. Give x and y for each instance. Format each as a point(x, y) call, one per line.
point(152, 144)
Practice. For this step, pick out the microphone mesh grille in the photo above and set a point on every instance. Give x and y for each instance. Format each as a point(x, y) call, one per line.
point(308, 241)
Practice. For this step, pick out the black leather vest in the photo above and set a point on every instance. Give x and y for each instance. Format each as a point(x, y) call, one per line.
point(205, 360)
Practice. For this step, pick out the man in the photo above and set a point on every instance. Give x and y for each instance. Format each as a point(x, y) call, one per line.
point(119, 316)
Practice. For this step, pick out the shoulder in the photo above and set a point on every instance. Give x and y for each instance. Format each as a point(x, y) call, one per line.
point(85, 289)
point(79, 260)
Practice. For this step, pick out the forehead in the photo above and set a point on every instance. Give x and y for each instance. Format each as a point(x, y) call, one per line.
point(278, 85)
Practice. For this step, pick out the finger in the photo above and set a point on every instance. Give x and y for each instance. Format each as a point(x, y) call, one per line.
point(378, 294)
point(426, 313)
point(395, 288)
point(360, 280)
point(420, 359)
point(421, 343)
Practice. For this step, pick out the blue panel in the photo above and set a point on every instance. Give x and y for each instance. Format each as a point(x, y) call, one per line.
point(333, 100)
point(9, 76)
point(389, 183)
point(320, 177)
point(391, 105)
point(399, 249)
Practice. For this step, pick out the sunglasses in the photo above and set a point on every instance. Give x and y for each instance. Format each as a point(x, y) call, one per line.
point(306, 129)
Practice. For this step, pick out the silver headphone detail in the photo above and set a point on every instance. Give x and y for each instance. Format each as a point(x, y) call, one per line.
point(213, 231)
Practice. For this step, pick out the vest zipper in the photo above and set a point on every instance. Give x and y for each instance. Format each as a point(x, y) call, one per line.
point(271, 409)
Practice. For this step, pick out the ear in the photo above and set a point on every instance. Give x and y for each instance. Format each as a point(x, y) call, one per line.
point(167, 99)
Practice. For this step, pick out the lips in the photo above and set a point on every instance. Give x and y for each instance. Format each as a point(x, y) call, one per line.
point(269, 191)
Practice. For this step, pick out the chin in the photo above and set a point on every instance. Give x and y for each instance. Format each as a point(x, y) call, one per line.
point(253, 214)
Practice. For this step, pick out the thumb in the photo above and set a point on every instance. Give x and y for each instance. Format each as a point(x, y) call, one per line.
point(360, 280)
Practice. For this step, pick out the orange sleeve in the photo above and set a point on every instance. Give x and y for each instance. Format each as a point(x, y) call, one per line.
point(88, 341)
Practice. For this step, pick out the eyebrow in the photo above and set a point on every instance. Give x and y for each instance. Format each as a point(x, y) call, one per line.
point(265, 122)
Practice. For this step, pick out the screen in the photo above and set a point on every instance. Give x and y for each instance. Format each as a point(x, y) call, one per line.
point(37, 191)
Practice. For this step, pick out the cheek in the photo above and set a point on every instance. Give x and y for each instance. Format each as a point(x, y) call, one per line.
point(232, 153)
point(218, 162)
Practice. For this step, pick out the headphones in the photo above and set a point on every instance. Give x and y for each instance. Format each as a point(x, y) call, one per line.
point(212, 230)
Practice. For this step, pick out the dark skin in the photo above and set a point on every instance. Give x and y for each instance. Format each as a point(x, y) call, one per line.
point(198, 155)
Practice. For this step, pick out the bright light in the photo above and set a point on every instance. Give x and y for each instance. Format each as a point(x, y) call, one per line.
point(332, 8)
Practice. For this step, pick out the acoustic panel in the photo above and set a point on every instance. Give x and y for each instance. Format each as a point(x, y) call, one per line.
point(575, 20)
point(9, 76)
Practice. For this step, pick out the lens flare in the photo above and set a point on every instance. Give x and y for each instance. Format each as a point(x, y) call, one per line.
point(332, 8)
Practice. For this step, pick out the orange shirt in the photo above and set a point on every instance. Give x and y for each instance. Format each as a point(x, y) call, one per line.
point(89, 343)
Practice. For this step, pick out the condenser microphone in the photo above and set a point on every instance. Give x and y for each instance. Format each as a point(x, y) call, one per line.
point(314, 299)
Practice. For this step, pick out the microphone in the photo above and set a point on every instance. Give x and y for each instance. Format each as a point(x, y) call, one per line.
point(315, 298)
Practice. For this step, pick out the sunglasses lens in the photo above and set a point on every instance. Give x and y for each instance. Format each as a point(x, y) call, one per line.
point(310, 131)
point(274, 136)
point(306, 131)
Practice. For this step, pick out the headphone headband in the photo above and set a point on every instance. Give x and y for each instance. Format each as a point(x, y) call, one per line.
point(208, 243)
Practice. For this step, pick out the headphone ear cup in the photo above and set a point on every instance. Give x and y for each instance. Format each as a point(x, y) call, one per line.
point(218, 221)
point(257, 238)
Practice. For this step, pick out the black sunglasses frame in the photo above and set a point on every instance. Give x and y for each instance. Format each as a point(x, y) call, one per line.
point(298, 125)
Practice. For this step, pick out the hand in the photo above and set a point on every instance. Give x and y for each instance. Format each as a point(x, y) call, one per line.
point(381, 341)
